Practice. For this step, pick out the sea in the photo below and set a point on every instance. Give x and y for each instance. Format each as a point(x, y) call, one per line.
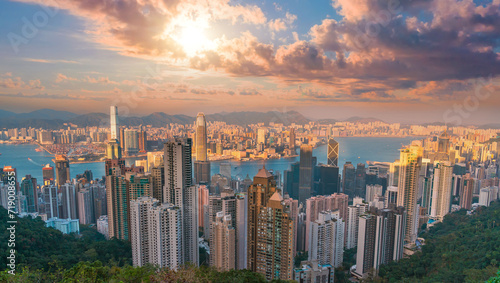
point(27, 161)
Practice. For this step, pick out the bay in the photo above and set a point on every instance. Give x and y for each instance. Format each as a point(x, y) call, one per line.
point(354, 149)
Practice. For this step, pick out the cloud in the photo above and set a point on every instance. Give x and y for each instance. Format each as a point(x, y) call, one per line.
point(53, 96)
point(9, 82)
point(63, 78)
point(50, 61)
point(250, 92)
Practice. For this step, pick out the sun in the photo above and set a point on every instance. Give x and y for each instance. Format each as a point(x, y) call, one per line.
point(193, 39)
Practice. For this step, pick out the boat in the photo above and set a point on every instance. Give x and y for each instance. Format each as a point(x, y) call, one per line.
point(39, 149)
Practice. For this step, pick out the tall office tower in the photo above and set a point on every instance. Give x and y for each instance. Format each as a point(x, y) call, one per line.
point(241, 230)
point(293, 206)
point(329, 179)
point(202, 172)
point(179, 190)
point(380, 241)
point(444, 143)
point(270, 249)
point(158, 175)
point(62, 169)
point(48, 174)
point(261, 136)
point(333, 152)
point(360, 180)
point(87, 176)
point(121, 139)
point(201, 137)
point(51, 201)
point(223, 243)
point(441, 190)
point(225, 170)
point(131, 142)
point(202, 205)
point(372, 192)
point(394, 174)
point(348, 179)
point(113, 115)
point(291, 143)
point(142, 140)
point(466, 193)
point(86, 206)
point(28, 189)
point(291, 180)
point(69, 201)
point(315, 205)
point(305, 173)
point(354, 211)
point(113, 150)
point(391, 196)
point(156, 233)
point(410, 162)
point(327, 239)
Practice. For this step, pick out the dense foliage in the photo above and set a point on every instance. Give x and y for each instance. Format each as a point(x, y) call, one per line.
point(39, 247)
point(463, 248)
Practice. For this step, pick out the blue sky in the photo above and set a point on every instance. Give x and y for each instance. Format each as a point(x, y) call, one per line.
point(326, 59)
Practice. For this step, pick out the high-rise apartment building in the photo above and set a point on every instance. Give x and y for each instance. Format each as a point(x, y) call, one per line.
point(69, 201)
point(327, 239)
point(131, 142)
point(410, 162)
point(440, 204)
point(156, 233)
point(380, 239)
point(466, 192)
point(179, 190)
point(354, 211)
point(223, 243)
point(315, 205)
point(270, 230)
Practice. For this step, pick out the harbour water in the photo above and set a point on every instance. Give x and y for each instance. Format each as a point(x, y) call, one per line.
point(26, 160)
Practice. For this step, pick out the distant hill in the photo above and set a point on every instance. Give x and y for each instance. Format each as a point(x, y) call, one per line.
point(356, 119)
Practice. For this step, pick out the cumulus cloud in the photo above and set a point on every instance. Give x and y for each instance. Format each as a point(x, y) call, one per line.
point(10, 82)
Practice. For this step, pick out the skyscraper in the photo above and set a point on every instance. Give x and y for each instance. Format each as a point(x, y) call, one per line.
point(156, 233)
point(333, 152)
point(28, 189)
point(441, 190)
point(69, 201)
point(305, 173)
point(223, 243)
point(201, 137)
point(291, 143)
point(354, 211)
point(466, 192)
point(270, 238)
point(179, 190)
point(380, 239)
point(48, 174)
point(329, 179)
point(62, 169)
point(410, 162)
point(131, 142)
point(113, 115)
point(241, 230)
point(316, 205)
point(327, 239)
point(348, 179)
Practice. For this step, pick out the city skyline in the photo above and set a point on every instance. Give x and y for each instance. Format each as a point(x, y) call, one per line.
point(403, 61)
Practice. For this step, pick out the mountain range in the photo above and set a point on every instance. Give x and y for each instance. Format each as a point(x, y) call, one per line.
point(54, 119)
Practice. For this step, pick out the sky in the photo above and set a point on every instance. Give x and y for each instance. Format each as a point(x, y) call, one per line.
point(409, 61)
